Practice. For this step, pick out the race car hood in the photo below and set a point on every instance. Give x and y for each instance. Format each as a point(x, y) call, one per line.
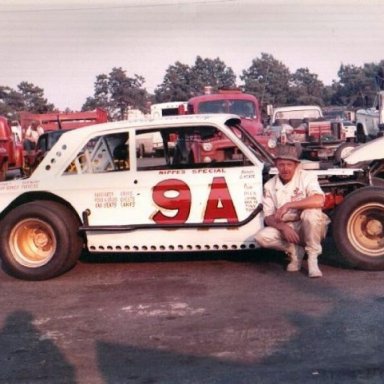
point(368, 152)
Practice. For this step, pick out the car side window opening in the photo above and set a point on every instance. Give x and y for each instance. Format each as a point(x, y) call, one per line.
point(104, 153)
point(183, 148)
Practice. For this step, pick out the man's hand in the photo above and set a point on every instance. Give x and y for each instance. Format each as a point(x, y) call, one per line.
point(289, 234)
point(280, 212)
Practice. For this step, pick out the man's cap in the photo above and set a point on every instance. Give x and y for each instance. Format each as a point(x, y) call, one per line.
point(287, 152)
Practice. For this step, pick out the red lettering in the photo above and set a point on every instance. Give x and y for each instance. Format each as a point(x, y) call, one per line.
point(220, 204)
point(181, 202)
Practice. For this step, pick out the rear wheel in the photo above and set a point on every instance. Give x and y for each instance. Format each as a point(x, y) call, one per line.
point(39, 240)
point(358, 228)
point(360, 134)
point(344, 150)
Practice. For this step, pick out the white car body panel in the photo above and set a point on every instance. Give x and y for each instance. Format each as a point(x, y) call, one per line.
point(126, 197)
point(373, 150)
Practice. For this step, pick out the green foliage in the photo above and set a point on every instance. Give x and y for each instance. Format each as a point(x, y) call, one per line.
point(28, 97)
point(176, 84)
point(182, 81)
point(116, 92)
point(306, 88)
point(213, 73)
point(268, 79)
point(33, 97)
point(358, 86)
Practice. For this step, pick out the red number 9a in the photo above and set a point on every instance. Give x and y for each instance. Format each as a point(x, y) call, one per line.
point(173, 195)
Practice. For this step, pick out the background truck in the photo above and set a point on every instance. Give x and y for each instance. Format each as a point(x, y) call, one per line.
point(232, 101)
point(11, 149)
point(305, 126)
point(63, 120)
point(370, 121)
point(54, 123)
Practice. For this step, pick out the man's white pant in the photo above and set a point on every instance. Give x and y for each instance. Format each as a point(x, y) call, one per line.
point(312, 228)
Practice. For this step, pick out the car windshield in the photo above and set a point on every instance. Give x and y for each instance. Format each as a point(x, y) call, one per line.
point(250, 141)
point(242, 108)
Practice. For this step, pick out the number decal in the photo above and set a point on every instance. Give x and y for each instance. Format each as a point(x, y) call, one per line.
point(180, 202)
point(175, 195)
point(220, 204)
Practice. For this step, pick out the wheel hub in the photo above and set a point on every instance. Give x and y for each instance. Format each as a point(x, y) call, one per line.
point(374, 228)
point(40, 239)
point(33, 242)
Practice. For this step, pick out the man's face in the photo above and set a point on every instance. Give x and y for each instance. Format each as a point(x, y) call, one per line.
point(286, 169)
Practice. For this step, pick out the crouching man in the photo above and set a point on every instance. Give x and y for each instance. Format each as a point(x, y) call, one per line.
point(294, 221)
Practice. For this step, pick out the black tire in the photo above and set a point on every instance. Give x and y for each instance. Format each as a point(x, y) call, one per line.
point(358, 228)
point(360, 134)
point(40, 240)
point(343, 150)
point(377, 169)
point(78, 241)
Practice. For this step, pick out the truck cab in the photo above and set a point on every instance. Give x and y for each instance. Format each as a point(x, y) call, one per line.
point(370, 121)
point(231, 101)
point(11, 149)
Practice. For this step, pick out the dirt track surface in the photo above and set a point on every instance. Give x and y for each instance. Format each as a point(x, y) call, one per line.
point(237, 318)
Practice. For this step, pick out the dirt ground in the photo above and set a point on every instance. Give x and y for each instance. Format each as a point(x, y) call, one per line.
point(231, 318)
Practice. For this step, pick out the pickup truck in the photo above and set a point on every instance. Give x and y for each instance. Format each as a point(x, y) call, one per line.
point(370, 121)
point(305, 126)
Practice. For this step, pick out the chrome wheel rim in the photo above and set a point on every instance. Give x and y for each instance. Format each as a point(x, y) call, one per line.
point(32, 243)
point(365, 229)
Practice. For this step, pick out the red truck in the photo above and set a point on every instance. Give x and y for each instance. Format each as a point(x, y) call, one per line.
point(63, 120)
point(12, 155)
point(232, 101)
point(54, 124)
point(11, 149)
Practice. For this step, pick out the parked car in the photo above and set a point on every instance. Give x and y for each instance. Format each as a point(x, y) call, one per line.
point(93, 191)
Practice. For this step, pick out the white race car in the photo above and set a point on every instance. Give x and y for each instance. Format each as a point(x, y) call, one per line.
point(93, 190)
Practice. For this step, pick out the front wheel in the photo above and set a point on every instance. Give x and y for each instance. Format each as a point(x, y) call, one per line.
point(39, 240)
point(358, 228)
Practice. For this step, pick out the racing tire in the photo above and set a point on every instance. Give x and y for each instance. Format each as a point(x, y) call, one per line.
point(358, 228)
point(40, 240)
point(344, 150)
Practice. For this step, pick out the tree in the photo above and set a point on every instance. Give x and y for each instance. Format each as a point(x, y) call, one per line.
point(33, 97)
point(182, 81)
point(176, 85)
point(214, 73)
point(356, 86)
point(306, 88)
point(10, 102)
point(268, 79)
point(116, 92)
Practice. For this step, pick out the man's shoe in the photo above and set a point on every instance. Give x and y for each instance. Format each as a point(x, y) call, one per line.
point(296, 259)
point(313, 267)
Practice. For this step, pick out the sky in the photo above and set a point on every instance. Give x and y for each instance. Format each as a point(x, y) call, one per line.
point(62, 45)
